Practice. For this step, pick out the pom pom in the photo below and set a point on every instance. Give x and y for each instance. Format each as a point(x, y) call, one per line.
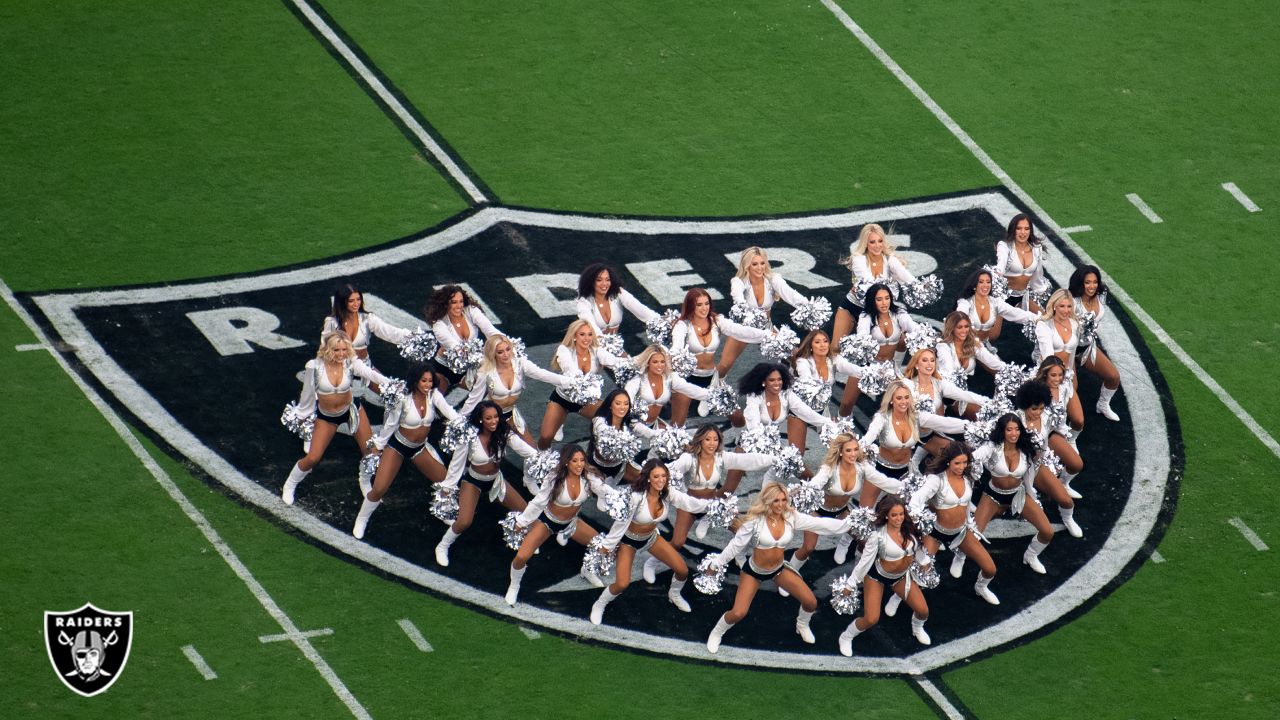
point(1050, 460)
point(1055, 415)
point(815, 393)
point(542, 465)
point(722, 399)
point(615, 445)
point(393, 393)
point(752, 317)
point(421, 345)
point(709, 578)
point(860, 289)
point(1010, 377)
point(512, 533)
point(924, 337)
point(618, 504)
point(845, 598)
point(924, 519)
point(760, 439)
point(924, 291)
point(458, 433)
point(369, 468)
point(518, 349)
point(813, 314)
point(624, 372)
point(1088, 329)
point(992, 409)
point(877, 377)
point(595, 562)
point(722, 511)
point(658, 330)
point(807, 496)
point(683, 362)
point(780, 345)
point(911, 482)
point(297, 422)
point(1041, 297)
point(862, 522)
point(787, 462)
point(924, 404)
point(1029, 332)
point(835, 428)
point(584, 389)
point(670, 442)
point(445, 504)
point(612, 344)
point(859, 349)
point(976, 433)
point(678, 482)
point(959, 378)
point(999, 284)
point(465, 356)
point(926, 575)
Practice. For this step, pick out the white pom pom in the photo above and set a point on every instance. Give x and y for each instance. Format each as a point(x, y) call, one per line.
point(924, 337)
point(999, 284)
point(584, 390)
point(835, 428)
point(926, 575)
point(618, 504)
point(393, 393)
point(807, 496)
point(683, 362)
point(1011, 377)
point(615, 445)
point(877, 378)
point(542, 465)
point(369, 468)
point(813, 314)
point(845, 595)
point(612, 344)
point(709, 577)
point(723, 399)
point(421, 345)
point(814, 392)
point(862, 522)
point(760, 439)
point(787, 462)
point(924, 291)
point(859, 349)
point(670, 442)
point(625, 372)
point(722, 511)
point(658, 330)
point(751, 316)
point(512, 533)
point(780, 345)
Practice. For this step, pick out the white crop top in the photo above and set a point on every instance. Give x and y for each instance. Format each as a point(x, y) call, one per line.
point(949, 360)
point(689, 467)
point(775, 288)
point(892, 273)
point(995, 310)
point(1049, 341)
point(639, 512)
point(589, 311)
point(881, 547)
point(366, 324)
point(405, 415)
point(756, 413)
point(473, 317)
point(755, 533)
point(937, 491)
point(315, 380)
point(900, 322)
point(490, 385)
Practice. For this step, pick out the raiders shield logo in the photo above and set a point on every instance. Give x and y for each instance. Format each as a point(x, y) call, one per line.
point(88, 647)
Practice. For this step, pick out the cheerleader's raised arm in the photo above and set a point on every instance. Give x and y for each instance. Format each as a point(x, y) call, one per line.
point(456, 319)
point(602, 298)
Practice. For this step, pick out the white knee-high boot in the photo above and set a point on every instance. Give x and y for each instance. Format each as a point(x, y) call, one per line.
point(513, 590)
point(846, 639)
point(1068, 522)
point(802, 626)
point(673, 594)
point(296, 476)
point(1104, 403)
point(1066, 483)
point(1032, 553)
point(717, 632)
point(980, 587)
point(442, 549)
point(917, 629)
point(602, 602)
point(362, 518)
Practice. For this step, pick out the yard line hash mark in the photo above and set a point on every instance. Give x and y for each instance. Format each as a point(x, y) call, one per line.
point(295, 635)
point(201, 666)
point(28, 347)
point(1243, 199)
point(1156, 557)
point(1249, 534)
point(1078, 229)
point(1143, 208)
point(530, 633)
point(415, 635)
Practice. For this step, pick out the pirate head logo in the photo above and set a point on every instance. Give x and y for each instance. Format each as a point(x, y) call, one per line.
point(88, 647)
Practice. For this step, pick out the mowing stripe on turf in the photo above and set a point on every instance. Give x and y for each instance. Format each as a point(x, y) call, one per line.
point(415, 635)
point(375, 84)
point(1143, 208)
point(1248, 534)
point(194, 514)
point(1123, 296)
point(1239, 195)
point(202, 667)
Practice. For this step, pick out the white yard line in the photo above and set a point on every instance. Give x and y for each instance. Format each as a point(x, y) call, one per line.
point(202, 667)
point(951, 711)
point(386, 96)
point(193, 513)
point(415, 635)
point(1143, 208)
point(1078, 229)
point(1240, 197)
point(28, 347)
point(1120, 294)
point(295, 636)
point(1249, 534)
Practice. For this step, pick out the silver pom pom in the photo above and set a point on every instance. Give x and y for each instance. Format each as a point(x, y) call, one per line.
point(924, 404)
point(860, 289)
point(297, 422)
point(1010, 377)
point(1050, 460)
point(815, 393)
point(924, 519)
point(924, 337)
point(924, 291)
point(992, 409)
point(445, 504)
point(780, 345)
point(911, 482)
point(999, 284)
point(512, 533)
point(959, 378)
point(1055, 415)
point(760, 439)
point(678, 482)
point(835, 428)
point(615, 445)
point(1029, 332)
point(518, 349)
point(845, 596)
point(877, 378)
point(752, 317)
point(683, 362)
point(618, 504)
point(859, 349)
point(595, 562)
point(612, 344)
point(369, 468)
point(926, 575)
point(625, 372)
point(658, 330)
point(862, 522)
point(976, 433)
point(465, 356)
point(709, 578)
point(421, 345)
point(807, 496)
point(458, 433)
point(1088, 329)
point(722, 399)
point(393, 393)
point(787, 462)
point(722, 511)
point(1041, 297)
point(813, 314)
point(542, 465)
point(584, 390)
point(670, 442)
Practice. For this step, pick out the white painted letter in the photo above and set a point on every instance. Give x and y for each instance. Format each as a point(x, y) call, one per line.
point(660, 278)
point(537, 291)
point(917, 263)
point(230, 330)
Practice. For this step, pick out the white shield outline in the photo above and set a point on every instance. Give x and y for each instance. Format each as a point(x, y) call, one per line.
point(128, 646)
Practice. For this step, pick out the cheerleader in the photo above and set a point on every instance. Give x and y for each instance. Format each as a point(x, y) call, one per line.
point(871, 260)
point(349, 317)
point(476, 468)
point(1030, 401)
point(698, 329)
point(650, 500)
point(1019, 258)
point(949, 492)
point(757, 286)
point(501, 378)
point(886, 562)
point(577, 355)
point(767, 399)
point(769, 526)
point(897, 427)
point(1052, 372)
point(1058, 331)
point(986, 314)
point(1090, 299)
point(656, 385)
point(327, 383)
point(601, 299)
point(887, 323)
point(615, 412)
point(455, 319)
point(404, 437)
point(813, 360)
point(554, 510)
point(1011, 459)
point(960, 352)
point(929, 389)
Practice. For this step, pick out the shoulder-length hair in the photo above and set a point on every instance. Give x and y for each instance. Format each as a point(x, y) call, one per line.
point(1010, 233)
point(752, 383)
point(805, 348)
point(760, 506)
point(568, 339)
point(1024, 444)
point(1047, 364)
point(695, 445)
point(869, 302)
point(1076, 284)
point(691, 301)
point(329, 343)
point(414, 372)
point(744, 262)
point(953, 450)
point(491, 344)
point(1059, 294)
point(969, 347)
point(913, 415)
point(886, 506)
point(587, 281)
point(642, 360)
point(911, 371)
point(438, 303)
point(971, 283)
point(342, 293)
point(498, 440)
point(561, 471)
point(859, 246)
point(836, 448)
point(641, 483)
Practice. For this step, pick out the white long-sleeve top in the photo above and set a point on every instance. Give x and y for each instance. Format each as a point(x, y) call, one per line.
point(893, 273)
point(638, 512)
point(689, 467)
point(949, 362)
point(405, 415)
point(489, 384)
point(941, 389)
point(641, 391)
point(591, 484)
point(775, 288)
point(589, 311)
point(473, 317)
point(837, 368)
point(881, 547)
point(881, 431)
point(990, 456)
point(684, 336)
point(755, 533)
point(755, 410)
point(833, 480)
point(935, 491)
point(1043, 428)
point(476, 454)
point(315, 380)
point(367, 324)
point(1009, 265)
point(998, 309)
point(567, 361)
point(900, 321)
point(1049, 341)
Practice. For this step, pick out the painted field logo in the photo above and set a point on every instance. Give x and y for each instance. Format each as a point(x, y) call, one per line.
point(247, 337)
point(88, 647)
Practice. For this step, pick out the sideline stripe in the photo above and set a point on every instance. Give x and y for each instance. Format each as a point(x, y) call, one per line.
point(949, 711)
point(530, 633)
point(386, 96)
point(1156, 557)
point(194, 514)
point(415, 635)
point(201, 666)
point(1078, 229)
point(28, 347)
point(1143, 208)
point(1239, 195)
point(1249, 534)
point(1120, 293)
point(295, 636)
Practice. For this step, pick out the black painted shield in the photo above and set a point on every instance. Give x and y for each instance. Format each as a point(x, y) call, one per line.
point(88, 647)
